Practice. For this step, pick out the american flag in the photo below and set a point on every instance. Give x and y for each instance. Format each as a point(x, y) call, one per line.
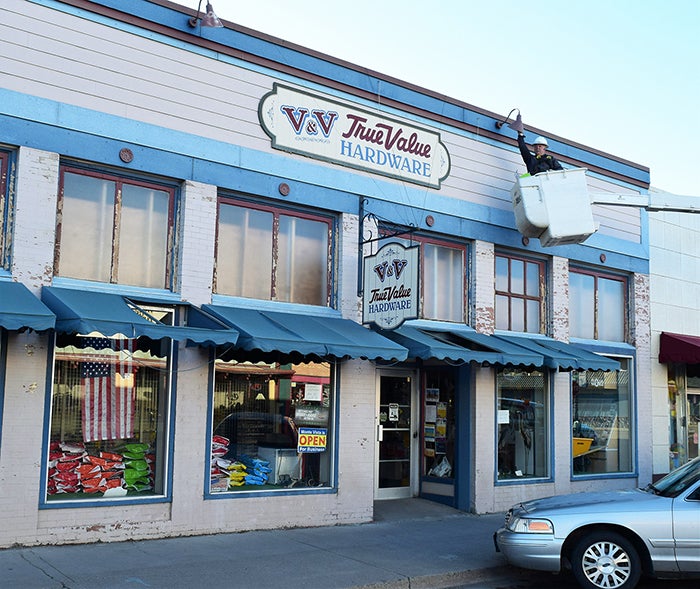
point(108, 379)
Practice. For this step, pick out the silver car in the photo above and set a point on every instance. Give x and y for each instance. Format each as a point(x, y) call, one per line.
point(610, 539)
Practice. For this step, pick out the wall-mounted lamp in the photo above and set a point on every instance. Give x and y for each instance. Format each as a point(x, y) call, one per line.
point(516, 125)
point(209, 19)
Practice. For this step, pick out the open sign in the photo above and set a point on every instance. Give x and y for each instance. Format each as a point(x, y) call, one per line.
point(312, 439)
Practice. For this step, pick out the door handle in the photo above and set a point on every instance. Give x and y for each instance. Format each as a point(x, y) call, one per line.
point(380, 433)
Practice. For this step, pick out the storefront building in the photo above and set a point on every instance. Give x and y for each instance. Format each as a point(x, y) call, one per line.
point(242, 288)
point(675, 325)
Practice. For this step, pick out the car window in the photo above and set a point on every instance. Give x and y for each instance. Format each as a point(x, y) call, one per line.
point(677, 481)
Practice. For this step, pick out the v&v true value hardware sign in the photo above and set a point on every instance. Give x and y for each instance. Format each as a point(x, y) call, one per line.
point(391, 286)
point(319, 127)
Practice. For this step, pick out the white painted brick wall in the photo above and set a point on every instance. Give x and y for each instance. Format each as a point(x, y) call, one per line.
point(197, 241)
point(35, 217)
point(483, 283)
point(20, 447)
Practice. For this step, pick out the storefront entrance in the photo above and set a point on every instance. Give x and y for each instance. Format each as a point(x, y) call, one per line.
point(396, 474)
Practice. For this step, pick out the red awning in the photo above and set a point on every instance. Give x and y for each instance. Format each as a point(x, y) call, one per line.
point(681, 349)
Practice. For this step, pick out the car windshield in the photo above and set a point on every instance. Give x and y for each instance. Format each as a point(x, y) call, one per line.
point(677, 481)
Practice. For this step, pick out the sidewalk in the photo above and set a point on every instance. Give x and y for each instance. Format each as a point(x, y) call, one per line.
point(412, 543)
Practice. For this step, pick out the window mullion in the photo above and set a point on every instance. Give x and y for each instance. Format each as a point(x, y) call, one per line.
point(114, 272)
point(275, 255)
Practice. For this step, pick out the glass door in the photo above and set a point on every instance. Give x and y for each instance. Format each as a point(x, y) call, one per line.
point(396, 437)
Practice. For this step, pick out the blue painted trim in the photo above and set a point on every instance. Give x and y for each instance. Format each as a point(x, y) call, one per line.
point(135, 292)
point(607, 348)
point(311, 184)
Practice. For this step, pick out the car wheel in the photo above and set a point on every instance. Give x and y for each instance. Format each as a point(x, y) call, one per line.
point(605, 560)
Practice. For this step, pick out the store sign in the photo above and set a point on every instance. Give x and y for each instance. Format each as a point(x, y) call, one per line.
point(312, 439)
point(391, 286)
point(344, 133)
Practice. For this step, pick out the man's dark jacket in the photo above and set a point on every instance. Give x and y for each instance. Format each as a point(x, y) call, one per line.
point(536, 164)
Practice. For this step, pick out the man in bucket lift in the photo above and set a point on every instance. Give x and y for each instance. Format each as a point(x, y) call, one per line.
point(541, 161)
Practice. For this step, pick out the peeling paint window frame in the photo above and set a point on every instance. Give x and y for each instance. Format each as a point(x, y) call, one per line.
point(522, 298)
point(326, 298)
point(430, 298)
point(119, 181)
point(6, 210)
point(597, 305)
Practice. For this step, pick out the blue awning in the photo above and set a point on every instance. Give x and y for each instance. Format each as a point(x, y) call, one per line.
point(20, 309)
point(306, 335)
point(84, 312)
point(561, 355)
point(459, 344)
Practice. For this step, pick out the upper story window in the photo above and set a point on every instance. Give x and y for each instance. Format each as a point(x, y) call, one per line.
point(5, 212)
point(263, 252)
point(519, 294)
point(597, 305)
point(442, 276)
point(114, 229)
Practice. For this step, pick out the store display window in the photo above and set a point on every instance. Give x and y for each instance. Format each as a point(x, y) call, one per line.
point(522, 418)
point(439, 423)
point(602, 413)
point(109, 418)
point(271, 426)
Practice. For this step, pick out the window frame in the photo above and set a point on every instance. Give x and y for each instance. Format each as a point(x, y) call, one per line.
point(272, 370)
point(6, 209)
point(119, 180)
point(577, 470)
point(597, 275)
point(542, 289)
point(172, 315)
point(276, 211)
point(420, 240)
point(502, 478)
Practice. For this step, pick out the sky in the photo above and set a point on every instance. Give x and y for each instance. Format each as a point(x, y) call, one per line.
point(620, 76)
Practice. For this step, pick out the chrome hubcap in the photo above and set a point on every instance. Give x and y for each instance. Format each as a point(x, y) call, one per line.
point(606, 565)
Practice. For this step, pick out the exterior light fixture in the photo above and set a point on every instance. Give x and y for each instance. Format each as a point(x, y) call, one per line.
point(516, 125)
point(209, 19)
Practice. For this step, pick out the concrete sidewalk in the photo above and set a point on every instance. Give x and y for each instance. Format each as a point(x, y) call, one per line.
point(412, 543)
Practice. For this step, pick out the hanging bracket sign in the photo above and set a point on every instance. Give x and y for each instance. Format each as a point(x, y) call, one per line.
point(390, 295)
point(341, 132)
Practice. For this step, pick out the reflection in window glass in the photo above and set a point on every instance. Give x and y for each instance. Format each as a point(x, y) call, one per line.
point(109, 407)
point(271, 426)
point(522, 425)
point(602, 413)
